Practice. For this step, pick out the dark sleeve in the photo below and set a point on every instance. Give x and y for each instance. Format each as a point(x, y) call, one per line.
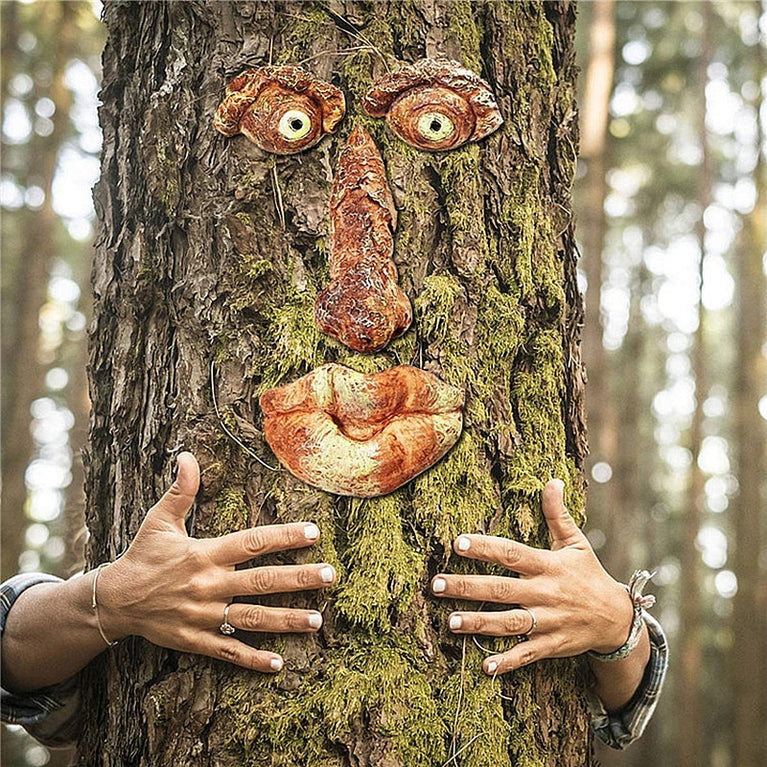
point(620, 728)
point(52, 714)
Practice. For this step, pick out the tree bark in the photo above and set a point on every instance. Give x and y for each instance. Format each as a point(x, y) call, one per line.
point(212, 251)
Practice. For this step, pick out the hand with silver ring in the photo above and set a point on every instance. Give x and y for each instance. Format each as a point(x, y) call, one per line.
point(226, 628)
point(563, 602)
point(173, 590)
point(534, 623)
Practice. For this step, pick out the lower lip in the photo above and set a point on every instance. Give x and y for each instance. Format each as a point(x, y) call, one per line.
point(361, 435)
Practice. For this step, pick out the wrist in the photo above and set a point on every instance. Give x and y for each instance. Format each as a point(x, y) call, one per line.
point(637, 602)
point(111, 604)
point(621, 624)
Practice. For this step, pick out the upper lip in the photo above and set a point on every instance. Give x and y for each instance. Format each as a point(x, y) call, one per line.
point(362, 435)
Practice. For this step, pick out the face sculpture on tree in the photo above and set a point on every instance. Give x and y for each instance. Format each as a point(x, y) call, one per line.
point(336, 429)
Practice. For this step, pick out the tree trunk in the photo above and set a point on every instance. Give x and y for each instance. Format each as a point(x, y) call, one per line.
point(749, 624)
point(594, 153)
point(689, 688)
point(212, 251)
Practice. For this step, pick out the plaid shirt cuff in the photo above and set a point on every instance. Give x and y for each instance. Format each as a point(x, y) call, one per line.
point(623, 727)
point(51, 714)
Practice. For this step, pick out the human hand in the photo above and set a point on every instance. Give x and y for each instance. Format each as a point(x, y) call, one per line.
point(576, 604)
point(173, 590)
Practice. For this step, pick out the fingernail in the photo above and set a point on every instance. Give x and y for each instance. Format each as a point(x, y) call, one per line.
point(315, 620)
point(327, 574)
point(455, 622)
point(311, 531)
point(275, 664)
point(491, 667)
point(438, 585)
point(463, 543)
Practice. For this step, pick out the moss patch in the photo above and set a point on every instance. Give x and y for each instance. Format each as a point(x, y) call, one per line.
point(383, 571)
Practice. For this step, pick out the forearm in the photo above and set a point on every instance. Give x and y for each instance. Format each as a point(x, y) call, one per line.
point(617, 681)
point(50, 634)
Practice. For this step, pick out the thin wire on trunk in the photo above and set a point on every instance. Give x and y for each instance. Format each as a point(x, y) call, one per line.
point(226, 429)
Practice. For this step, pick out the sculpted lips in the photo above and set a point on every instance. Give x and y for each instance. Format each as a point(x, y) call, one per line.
point(361, 435)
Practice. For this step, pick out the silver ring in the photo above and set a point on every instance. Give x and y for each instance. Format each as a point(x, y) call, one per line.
point(532, 625)
point(226, 628)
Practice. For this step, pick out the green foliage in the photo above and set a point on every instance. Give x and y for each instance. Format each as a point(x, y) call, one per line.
point(480, 733)
point(295, 339)
point(456, 495)
point(379, 681)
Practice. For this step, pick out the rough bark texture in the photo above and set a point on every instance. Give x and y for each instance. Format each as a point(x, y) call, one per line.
point(212, 250)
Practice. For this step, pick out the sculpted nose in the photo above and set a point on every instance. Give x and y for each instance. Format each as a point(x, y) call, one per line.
point(363, 306)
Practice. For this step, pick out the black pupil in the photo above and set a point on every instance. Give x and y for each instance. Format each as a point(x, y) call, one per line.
point(436, 125)
point(296, 124)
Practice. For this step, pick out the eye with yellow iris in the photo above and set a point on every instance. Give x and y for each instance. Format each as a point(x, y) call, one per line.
point(282, 108)
point(294, 125)
point(435, 104)
point(434, 126)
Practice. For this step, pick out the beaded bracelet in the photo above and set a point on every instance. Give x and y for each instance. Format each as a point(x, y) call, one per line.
point(95, 606)
point(635, 587)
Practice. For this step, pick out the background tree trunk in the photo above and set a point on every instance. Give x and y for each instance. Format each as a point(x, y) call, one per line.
point(30, 270)
point(194, 265)
point(748, 661)
point(689, 688)
point(594, 154)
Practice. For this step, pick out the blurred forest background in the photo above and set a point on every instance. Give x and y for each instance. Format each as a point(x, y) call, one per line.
point(671, 203)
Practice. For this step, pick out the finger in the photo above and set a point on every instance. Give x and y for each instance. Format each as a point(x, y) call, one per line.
point(279, 620)
point(232, 651)
point(485, 588)
point(173, 507)
point(498, 624)
point(275, 579)
point(501, 551)
point(522, 654)
point(564, 531)
point(246, 544)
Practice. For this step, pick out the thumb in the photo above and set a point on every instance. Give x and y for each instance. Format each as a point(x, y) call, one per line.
point(564, 531)
point(173, 507)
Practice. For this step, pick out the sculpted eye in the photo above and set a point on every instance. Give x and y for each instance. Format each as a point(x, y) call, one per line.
point(435, 104)
point(281, 109)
